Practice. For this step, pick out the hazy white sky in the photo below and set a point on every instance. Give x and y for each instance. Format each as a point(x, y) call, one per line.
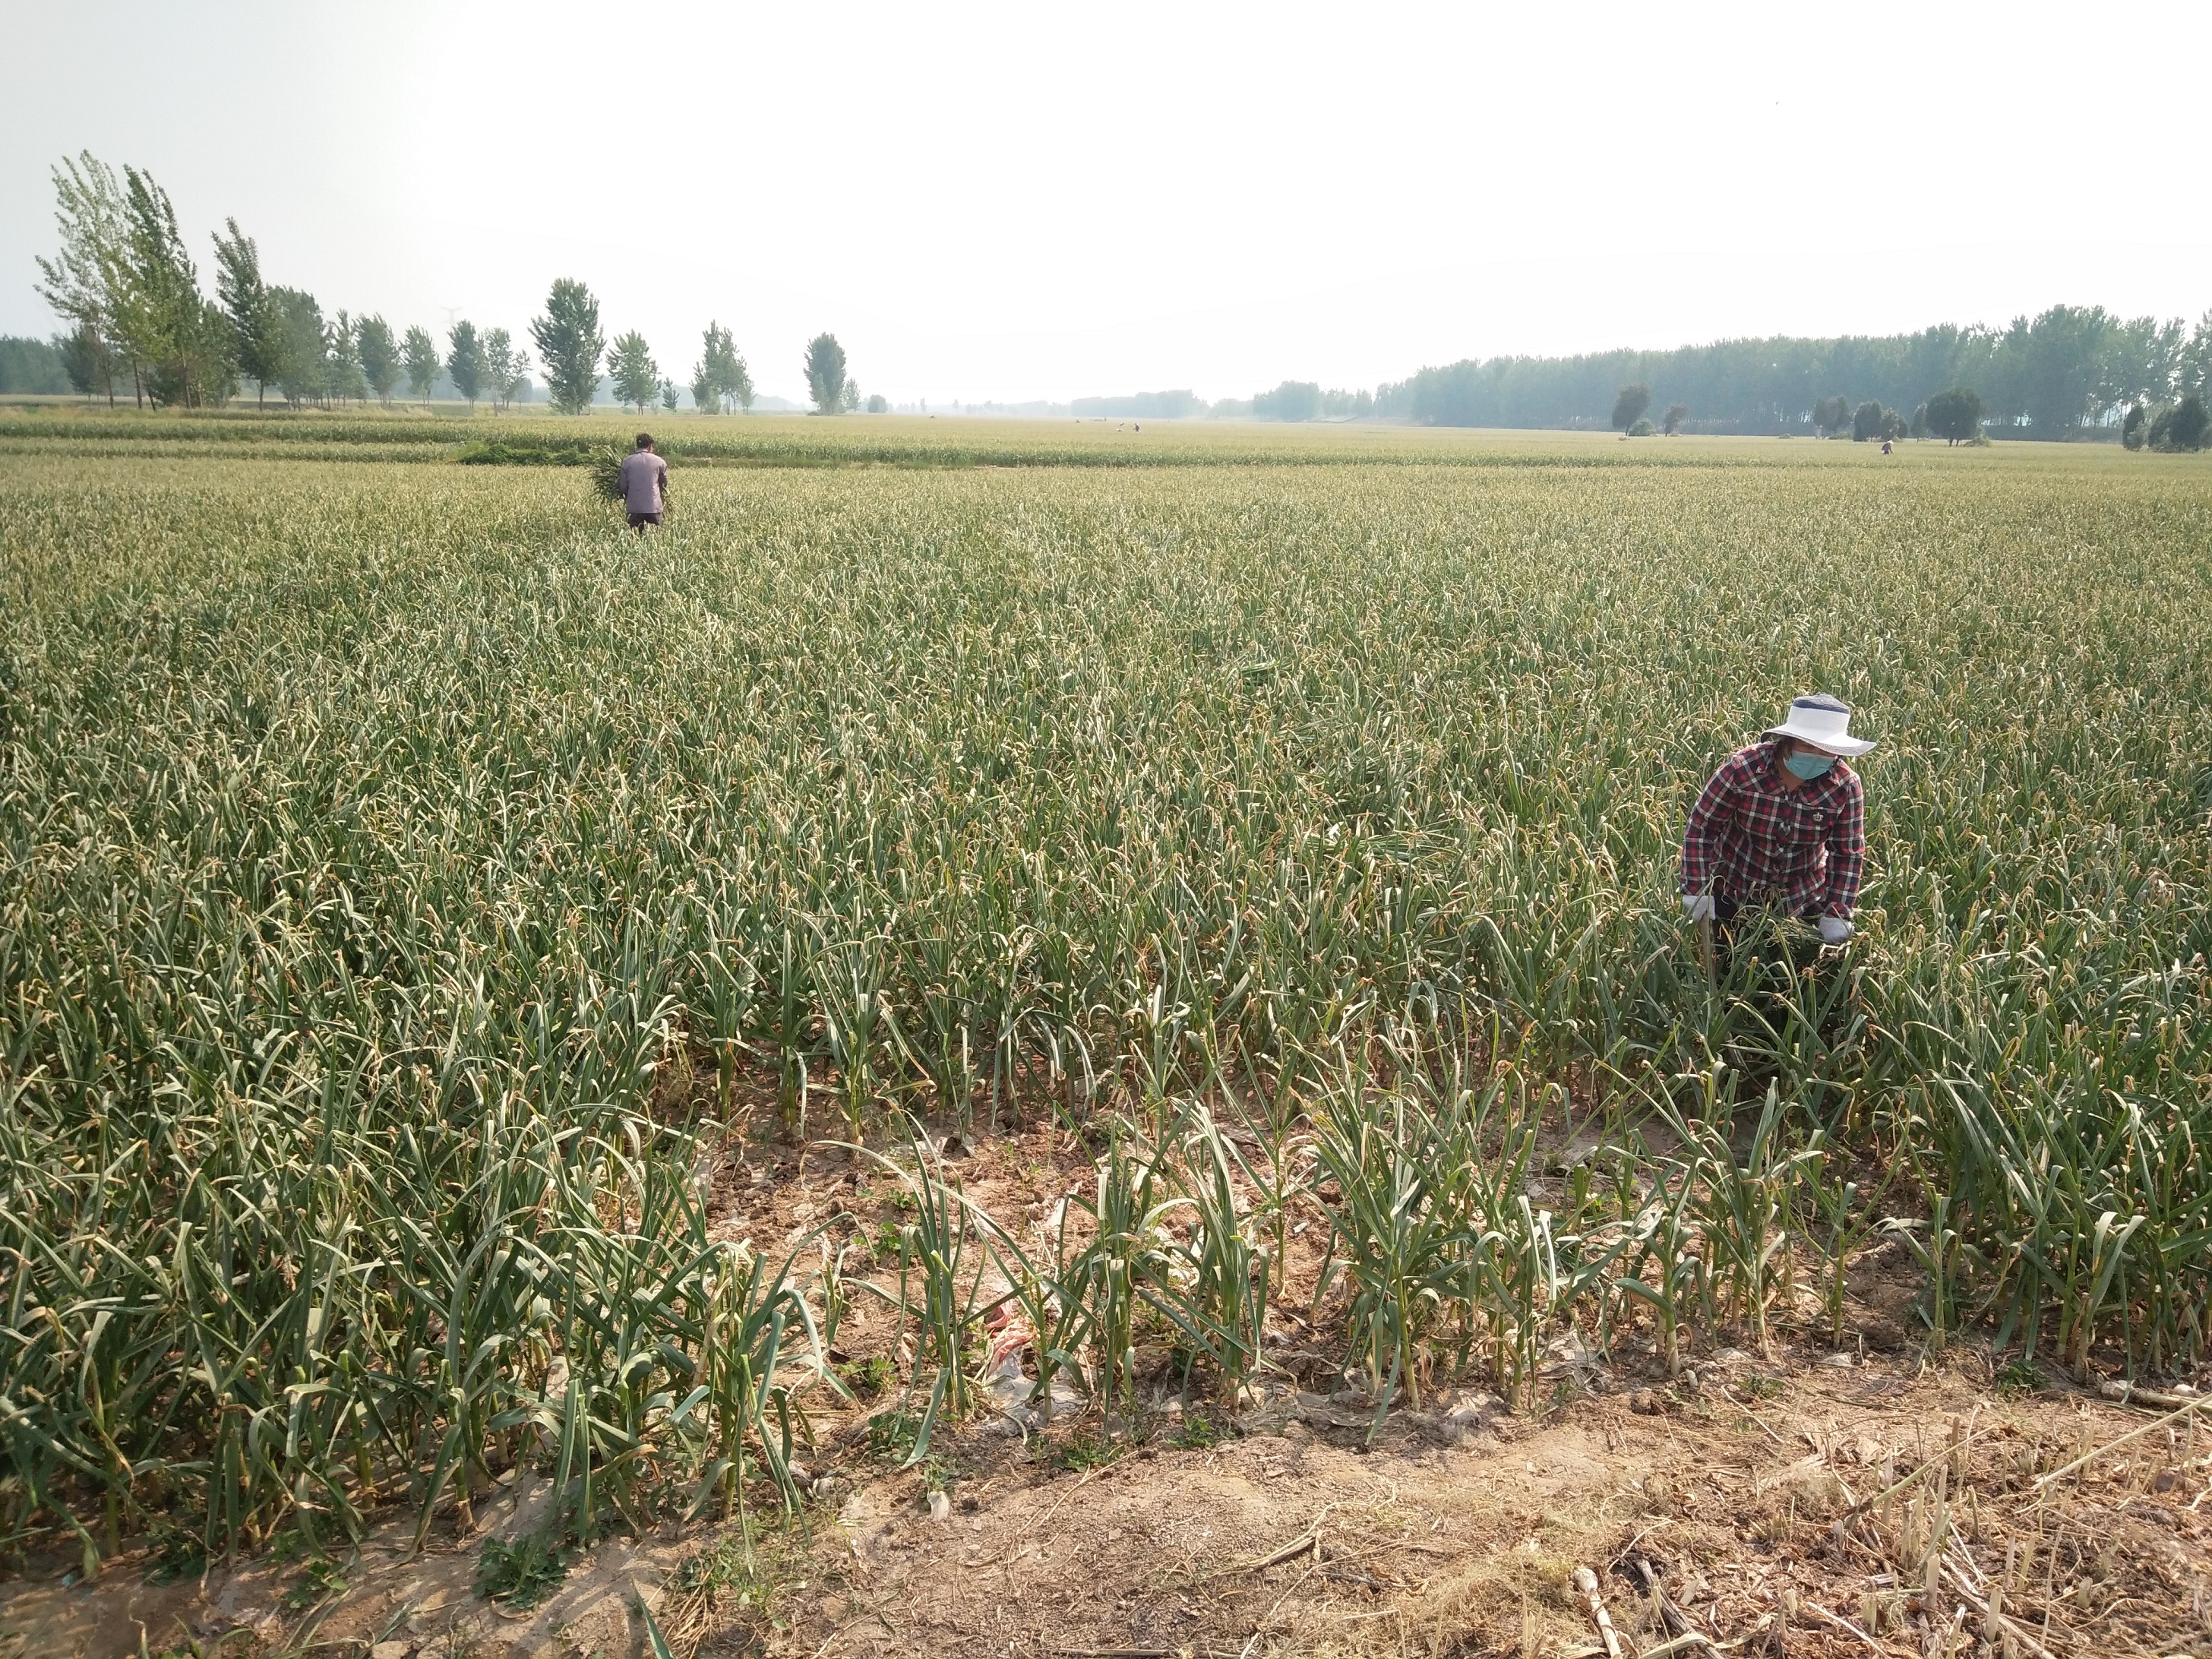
point(1012, 202)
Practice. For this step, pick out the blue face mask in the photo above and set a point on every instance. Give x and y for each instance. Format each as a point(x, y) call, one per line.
point(1809, 767)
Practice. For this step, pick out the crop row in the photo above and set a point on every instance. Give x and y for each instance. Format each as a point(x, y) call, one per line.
point(916, 442)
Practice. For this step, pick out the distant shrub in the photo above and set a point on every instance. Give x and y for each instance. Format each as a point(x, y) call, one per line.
point(1871, 420)
point(1955, 416)
point(498, 452)
point(2185, 427)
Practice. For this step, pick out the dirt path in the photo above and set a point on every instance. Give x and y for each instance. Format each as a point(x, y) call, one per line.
point(1294, 1537)
point(1297, 1539)
point(1749, 1493)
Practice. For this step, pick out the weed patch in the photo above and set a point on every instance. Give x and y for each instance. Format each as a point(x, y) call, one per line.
point(520, 1574)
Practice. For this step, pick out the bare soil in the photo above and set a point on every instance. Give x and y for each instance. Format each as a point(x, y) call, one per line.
point(1775, 1505)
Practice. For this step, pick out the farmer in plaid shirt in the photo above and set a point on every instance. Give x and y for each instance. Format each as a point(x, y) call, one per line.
point(1782, 825)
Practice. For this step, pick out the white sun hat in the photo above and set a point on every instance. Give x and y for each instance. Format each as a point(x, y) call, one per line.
point(1823, 721)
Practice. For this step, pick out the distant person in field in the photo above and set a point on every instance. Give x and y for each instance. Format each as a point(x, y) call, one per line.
point(645, 484)
point(1782, 826)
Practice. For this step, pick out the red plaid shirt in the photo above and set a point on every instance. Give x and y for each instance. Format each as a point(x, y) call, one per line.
point(1751, 840)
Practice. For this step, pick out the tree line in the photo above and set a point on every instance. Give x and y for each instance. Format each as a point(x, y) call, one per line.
point(1955, 414)
point(125, 283)
point(1306, 400)
point(2071, 371)
point(1292, 400)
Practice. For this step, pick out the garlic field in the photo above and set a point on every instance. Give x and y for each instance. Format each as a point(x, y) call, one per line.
point(404, 870)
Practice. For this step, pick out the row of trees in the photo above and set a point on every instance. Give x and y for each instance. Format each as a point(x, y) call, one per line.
point(2171, 427)
point(567, 337)
point(123, 280)
point(1956, 414)
point(2070, 370)
point(1875, 421)
point(569, 340)
point(720, 380)
point(279, 336)
point(125, 283)
point(1305, 400)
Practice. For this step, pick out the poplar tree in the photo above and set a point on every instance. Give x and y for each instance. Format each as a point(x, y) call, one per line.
point(379, 357)
point(419, 352)
point(80, 281)
point(182, 340)
point(569, 344)
point(342, 358)
point(721, 378)
point(256, 326)
point(85, 359)
point(465, 361)
point(827, 382)
point(121, 271)
point(505, 368)
point(634, 375)
point(304, 376)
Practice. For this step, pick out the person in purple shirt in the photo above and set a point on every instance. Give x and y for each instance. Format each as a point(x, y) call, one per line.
point(645, 484)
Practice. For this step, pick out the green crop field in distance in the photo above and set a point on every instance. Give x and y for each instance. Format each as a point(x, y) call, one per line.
point(384, 844)
point(410, 433)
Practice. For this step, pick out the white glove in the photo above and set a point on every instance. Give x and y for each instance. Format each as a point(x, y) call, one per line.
point(1697, 907)
point(1834, 930)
